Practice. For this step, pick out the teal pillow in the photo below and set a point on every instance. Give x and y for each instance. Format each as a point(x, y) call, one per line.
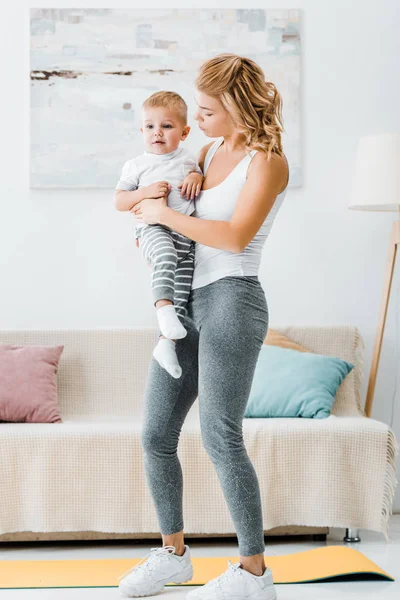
point(289, 383)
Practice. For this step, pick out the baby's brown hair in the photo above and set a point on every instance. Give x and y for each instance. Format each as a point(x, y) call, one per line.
point(171, 100)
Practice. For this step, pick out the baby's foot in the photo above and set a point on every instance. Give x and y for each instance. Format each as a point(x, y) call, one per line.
point(169, 323)
point(165, 355)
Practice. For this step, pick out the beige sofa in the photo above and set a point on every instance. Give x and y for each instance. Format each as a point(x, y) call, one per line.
point(84, 478)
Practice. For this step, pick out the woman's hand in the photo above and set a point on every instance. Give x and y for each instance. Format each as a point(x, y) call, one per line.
point(150, 210)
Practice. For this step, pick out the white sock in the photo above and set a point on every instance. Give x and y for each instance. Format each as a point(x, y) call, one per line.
point(165, 355)
point(170, 325)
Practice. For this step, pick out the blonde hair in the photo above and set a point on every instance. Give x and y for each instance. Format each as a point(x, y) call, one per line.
point(255, 105)
point(170, 100)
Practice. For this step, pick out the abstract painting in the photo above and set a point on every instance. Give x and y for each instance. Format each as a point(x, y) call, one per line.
point(91, 70)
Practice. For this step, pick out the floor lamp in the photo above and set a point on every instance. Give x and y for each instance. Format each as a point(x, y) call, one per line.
point(376, 186)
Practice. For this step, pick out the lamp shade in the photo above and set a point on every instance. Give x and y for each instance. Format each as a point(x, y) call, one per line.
point(376, 179)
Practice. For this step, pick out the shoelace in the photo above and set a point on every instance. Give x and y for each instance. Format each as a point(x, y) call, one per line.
point(164, 551)
point(233, 569)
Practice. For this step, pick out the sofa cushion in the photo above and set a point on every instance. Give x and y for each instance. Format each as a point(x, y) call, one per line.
point(289, 383)
point(28, 383)
point(104, 371)
point(89, 476)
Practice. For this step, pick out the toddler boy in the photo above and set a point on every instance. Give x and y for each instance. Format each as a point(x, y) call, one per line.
point(164, 169)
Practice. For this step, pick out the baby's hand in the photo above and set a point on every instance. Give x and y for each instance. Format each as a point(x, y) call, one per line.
point(191, 185)
point(157, 189)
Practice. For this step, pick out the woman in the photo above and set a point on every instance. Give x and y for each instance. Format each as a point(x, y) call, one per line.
point(246, 177)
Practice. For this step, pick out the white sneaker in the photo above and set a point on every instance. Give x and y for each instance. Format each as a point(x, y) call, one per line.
point(162, 566)
point(236, 584)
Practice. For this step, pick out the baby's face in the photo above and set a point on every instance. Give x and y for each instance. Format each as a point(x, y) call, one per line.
point(162, 130)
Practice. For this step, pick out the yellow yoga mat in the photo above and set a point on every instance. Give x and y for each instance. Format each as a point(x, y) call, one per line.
point(310, 566)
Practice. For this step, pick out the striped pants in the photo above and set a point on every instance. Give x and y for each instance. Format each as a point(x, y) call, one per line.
point(171, 256)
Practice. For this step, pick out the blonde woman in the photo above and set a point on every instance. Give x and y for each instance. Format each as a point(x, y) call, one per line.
point(246, 177)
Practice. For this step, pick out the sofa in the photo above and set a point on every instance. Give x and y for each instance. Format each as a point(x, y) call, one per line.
point(83, 478)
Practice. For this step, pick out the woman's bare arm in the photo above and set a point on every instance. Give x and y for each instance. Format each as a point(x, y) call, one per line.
point(265, 181)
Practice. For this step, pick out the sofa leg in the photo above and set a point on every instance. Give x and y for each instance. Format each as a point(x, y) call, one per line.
point(352, 536)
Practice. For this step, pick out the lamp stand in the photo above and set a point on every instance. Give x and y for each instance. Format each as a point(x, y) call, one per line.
point(394, 242)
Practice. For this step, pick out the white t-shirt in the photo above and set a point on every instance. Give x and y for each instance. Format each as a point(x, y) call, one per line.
point(148, 168)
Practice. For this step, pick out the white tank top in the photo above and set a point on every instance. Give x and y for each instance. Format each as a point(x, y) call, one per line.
point(218, 203)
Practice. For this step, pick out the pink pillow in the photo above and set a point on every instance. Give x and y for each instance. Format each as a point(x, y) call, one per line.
point(28, 383)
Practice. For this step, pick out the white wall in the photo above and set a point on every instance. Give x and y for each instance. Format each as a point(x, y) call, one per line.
point(67, 257)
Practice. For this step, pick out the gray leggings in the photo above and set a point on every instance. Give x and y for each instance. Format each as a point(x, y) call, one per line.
point(227, 322)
